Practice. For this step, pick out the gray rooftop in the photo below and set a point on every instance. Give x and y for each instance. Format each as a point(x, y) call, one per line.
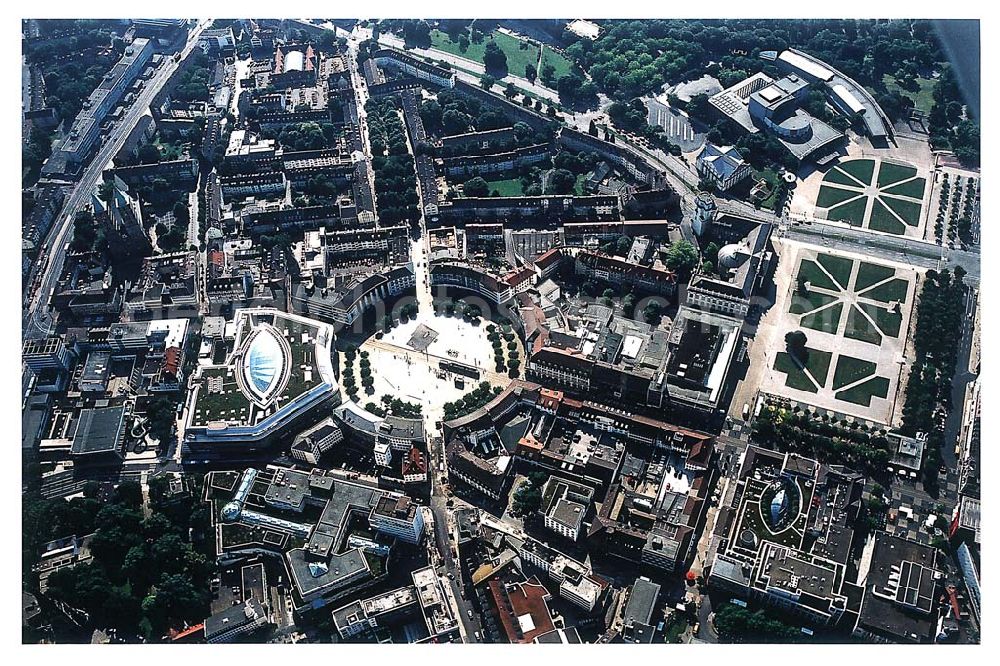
point(99, 430)
point(641, 601)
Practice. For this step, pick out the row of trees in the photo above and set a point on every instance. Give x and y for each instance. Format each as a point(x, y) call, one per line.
point(929, 387)
point(347, 376)
point(470, 402)
point(395, 175)
point(501, 339)
point(821, 438)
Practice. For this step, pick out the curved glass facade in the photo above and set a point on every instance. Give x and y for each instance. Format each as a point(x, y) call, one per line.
point(264, 362)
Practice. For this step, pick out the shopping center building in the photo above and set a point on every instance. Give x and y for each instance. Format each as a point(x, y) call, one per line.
point(279, 371)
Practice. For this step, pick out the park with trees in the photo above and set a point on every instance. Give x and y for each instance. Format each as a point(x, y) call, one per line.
point(150, 571)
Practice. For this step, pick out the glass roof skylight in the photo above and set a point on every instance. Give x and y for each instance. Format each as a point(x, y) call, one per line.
point(264, 361)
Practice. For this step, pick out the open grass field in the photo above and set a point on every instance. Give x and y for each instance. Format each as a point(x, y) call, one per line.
point(838, 177)
point(830, 196)
point(846, 199)
point(561, 63)
point(839, 268)
point(860, 169)
point(889, 173)
point(863, 393)
point(859, 328)
point(923, 97)
point(850, 370)
point(826, 320)
point(883, 220)
point(869, 274)
point(507, 187)
point(809, 301)
point(517, 57)
point(908, 188)
point(852, 212)
point(815, 275)
point(817, 363)
point(908, 210)
point(888, 321)
point(893, 290)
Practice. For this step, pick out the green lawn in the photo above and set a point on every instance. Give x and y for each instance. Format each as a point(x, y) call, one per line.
point(923, 98)
point(906, 209)
point(882, 220)
point(507, 187)
point(860, 169)
point(810, 301)
point(829, 196)
point(561, 63)
point(838, 177)
point(862, 393)
point(794, 377)
point(889, 173)
point(859, 328)
point(817, 362)
point(869, 274)
point(852, 212)
point(825, 320)
point(910, 188)
point(442, 42)
point(893, 290)
point(517, 57)
point(839, 268)
point(815, 276)
point(887, 320)
point(850, 370)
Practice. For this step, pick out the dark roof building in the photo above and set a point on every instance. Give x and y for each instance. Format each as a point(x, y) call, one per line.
point(235, 621)
point(900, 592)
point(638, 615)
point(100, 432)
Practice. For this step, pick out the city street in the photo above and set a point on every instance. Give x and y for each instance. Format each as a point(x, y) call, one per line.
point(37, 322)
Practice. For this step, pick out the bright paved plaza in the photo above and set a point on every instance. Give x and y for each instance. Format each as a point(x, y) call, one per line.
point(413, 375)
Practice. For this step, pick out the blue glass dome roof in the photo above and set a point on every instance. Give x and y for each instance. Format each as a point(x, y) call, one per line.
point(779, 507)
point(264, 363)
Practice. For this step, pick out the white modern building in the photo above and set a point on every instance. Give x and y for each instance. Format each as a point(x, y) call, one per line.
point(396, 515)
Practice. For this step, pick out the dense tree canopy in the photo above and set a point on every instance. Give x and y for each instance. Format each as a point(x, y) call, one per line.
point(682, 257)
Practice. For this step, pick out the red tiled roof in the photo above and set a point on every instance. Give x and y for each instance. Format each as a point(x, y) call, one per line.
point(414, 462)
point(171, 359)
point(187, 633)
point(517, 276)
point(548, 258)
point(520, 599)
